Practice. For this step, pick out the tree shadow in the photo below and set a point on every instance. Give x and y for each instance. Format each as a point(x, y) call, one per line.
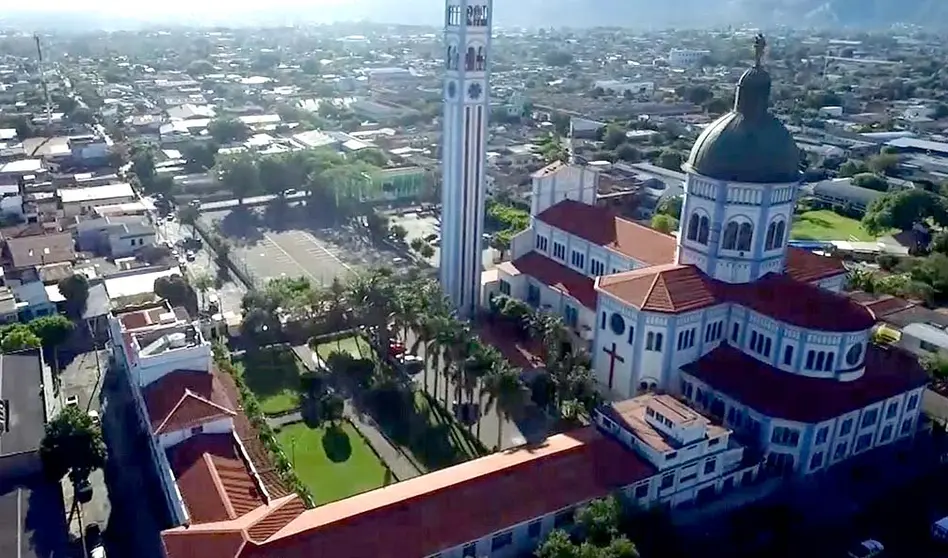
point(336, 444)
point(242, 223)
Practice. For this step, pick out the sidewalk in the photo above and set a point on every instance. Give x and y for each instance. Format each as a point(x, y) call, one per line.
point(400, 465)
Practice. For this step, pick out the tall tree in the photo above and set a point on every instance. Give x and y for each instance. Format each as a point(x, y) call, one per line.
point(72, 444)
point(507, 394)
point(75, 289)
point(18, 337)
point(240, 174)
point(53, 332)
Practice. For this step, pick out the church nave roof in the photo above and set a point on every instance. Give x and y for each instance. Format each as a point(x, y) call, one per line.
point(778, 394)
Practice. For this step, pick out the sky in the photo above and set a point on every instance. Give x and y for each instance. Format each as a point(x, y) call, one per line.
point(131, 8)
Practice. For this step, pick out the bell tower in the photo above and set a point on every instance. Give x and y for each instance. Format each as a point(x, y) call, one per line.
point(467, 36)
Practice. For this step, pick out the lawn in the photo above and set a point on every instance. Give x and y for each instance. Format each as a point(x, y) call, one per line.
point(333, 462)
point(273, 374)
point(355, 345)
point(823, 224)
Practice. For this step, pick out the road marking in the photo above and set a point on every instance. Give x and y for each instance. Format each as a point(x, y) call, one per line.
point(291, 258)
point(312, 239)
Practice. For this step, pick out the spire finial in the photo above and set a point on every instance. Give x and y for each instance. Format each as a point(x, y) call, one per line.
point(760, 45)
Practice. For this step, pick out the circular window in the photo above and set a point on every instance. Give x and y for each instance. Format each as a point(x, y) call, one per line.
point(617, 323)
point(854, 354)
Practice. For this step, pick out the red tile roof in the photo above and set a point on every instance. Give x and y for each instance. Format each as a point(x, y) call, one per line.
point(213, 479)
point(806, 266)
point(558, 277)
point(671, 288)
point(186, 398)
point(601, 226)
point(881, 305)
point(420, 516)
point(779, 394)
point(800, 304)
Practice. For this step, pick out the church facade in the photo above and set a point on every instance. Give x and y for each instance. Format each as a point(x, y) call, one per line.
point(724, 315)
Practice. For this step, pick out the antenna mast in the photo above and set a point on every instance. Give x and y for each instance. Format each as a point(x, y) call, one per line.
point(42, 69)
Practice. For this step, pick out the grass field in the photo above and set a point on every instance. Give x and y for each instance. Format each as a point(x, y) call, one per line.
point(356, 346)
point(823, 224)
point(333, 462)
point(273, 374)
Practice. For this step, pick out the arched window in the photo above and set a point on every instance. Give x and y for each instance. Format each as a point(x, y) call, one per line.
point(470, 60)
point(771, 230)
point(778, 236)
point(830, 361)
point(810, 355)
point(703, 230)
point(649, 341)
point(658, 341)
point(820, 357)
point(693, 227)
point(730, 236)
point(744, 236)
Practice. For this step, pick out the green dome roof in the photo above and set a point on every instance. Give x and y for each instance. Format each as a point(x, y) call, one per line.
point(747, 144)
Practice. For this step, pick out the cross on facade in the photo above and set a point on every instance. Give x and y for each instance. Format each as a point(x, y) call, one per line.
point(613, 357)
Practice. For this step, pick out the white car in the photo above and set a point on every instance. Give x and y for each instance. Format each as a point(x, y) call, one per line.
point(868, 548)
point(72, 401)
point(94, 415)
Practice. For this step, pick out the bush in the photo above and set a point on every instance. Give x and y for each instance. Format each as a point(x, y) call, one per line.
point(887, 262)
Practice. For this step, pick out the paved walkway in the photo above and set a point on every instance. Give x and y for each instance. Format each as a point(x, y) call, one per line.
point(401, 466)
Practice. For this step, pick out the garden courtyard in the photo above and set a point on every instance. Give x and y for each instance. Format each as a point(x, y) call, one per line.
point(823, 224)
point(333, 461)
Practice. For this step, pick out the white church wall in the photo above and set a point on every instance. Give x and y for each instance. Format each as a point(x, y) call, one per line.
point(614, 350)
point(658, 341)
point(523, 243)
point(571, 182)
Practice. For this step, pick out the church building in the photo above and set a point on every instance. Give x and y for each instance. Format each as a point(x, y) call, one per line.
point(724, 314)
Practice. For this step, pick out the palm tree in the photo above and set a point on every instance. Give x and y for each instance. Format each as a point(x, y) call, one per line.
point(507, 394)
point(475, 368)
point(203, 282)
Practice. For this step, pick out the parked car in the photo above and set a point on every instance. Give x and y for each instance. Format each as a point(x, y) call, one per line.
point(396, 349)
point(94, 541)
point(466, 413)
point(411, 364)
point(431, 237)
point(190, 255)
point(868, 548)
point(94, 415)
point(72, 401)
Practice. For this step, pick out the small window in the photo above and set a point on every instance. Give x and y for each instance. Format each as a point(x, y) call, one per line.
point(641, 491)
point(810, 357)
point(470, 550)
point(816, 461)
point(563, 518)
point(886, 434)
point(501, 540)
point(912, 402)
point(863, 442)
point(504, 287)
point(631, 335)
point(534, 528)
point(906, 427)
point(869, 418)
point(709, 466)
point(668, 481)
point(892, 410)
point(821, 435)
point(840, 451)
point(846, 427)
point(788, 355)
point(734, 332)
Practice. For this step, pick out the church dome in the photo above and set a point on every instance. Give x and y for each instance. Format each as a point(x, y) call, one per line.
point(747, 144)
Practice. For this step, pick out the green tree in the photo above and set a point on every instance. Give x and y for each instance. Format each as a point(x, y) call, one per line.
point(199, 156)
point(331, 408)
point(613, 137)
point(176, 290)
point(426, 252)
point(671, 206)
point(240, 174)
point(371, 156)
point(203, 283)
point(599, 520)
point(75, 289)
point(506, 393)
point(664, 223)
point(871, 181)
point(852, 167)
point(188, 215)
point(557, 545)
point(18, 337)
point(228, 130)
point(670, 159)
point(53, 332)
point(200, 68)
point(904, 209)
point(72, 444)
point(883, 163)
point(143, 165)
point(628, 153)
point(558, 58)
point(311, 67)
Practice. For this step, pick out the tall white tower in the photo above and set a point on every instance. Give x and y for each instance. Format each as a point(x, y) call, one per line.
point(467, 33)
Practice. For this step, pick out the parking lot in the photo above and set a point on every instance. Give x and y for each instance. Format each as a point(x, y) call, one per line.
point(319, 255)
point(423, 226)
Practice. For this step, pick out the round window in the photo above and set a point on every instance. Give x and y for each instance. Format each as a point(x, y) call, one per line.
point(617, 323)
point(854, 354)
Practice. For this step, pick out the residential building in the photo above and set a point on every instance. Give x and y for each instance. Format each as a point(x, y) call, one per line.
point(686, 57)
point(464, 145)
point(115, 236)
point(24, 398)
point(77, 201)
point(841, 191)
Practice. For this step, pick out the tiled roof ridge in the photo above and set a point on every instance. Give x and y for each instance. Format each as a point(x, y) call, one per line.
point(184, 397)
point(277, 518)
point(219, 485)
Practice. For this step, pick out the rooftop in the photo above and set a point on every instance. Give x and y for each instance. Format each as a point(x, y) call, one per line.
point(28, 251)
point(93, 193)
point(668, 288)
point(185, 398)
point(601, 226)
point(630, 414)
point(421, 516)
point(21, 385)
point(888, 372)
point(554, 275)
